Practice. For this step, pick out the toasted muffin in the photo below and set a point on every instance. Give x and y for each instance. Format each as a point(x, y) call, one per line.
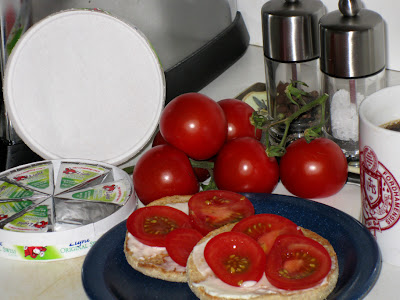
point(155, 261)
point(198, 281)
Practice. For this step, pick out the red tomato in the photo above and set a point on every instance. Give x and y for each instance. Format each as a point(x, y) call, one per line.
point(10, 18)
point(180, 243)
point(158, 140)
point(209, 210)
point(265, 228)
point(238, 115)
point(163, 171)
point(194, 123)
point(304, 262)
point(313, 170)
point(201, 174)
point(235, 258)
point(243, 166)
point(151, 224)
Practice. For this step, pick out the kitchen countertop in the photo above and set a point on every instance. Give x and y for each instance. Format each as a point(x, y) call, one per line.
point(62, 279)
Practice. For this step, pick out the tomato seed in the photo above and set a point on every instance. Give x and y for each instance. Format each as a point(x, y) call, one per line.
point(236, 264)
point(158, 225)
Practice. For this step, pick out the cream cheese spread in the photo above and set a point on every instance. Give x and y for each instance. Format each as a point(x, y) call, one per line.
point(144, 252)
point(184, 207)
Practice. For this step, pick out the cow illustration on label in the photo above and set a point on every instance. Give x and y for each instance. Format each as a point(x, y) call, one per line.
point(109, 188)
point(380, 193)
point(69, 171)
point(41, 224)
point(19, 178)
point(34, 251)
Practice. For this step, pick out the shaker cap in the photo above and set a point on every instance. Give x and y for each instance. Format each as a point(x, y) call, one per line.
point(290, 29)
point(352, 41)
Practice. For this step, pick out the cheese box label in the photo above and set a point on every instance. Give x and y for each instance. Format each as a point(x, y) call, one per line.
point(37, 177)
point(36, 220)
point(10, 191)
point(74, 175)
point(8, 209)
point(116, 192)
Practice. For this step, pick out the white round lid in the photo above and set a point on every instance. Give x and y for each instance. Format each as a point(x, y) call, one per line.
point(84, 84)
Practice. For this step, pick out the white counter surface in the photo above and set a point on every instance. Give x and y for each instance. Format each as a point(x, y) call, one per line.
point(62, 280)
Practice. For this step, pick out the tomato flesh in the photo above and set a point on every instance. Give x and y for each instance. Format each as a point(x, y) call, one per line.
point(265, 228)
point(180, 243)
point(151, 224)
point(297, 262)
point(209, 210)
point(235, 258)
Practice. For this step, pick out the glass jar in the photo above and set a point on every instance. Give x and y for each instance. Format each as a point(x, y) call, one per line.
point(352, 62)
point(291, 54)
point(278, 76)
point(345, 97)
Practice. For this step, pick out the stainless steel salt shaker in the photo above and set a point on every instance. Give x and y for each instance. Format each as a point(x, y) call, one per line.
point(291, 54)
point(353, 66)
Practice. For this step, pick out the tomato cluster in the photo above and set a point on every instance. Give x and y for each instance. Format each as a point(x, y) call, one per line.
point(199, 128)
point(195, 127)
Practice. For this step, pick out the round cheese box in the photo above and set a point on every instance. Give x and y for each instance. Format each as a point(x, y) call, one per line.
point(57, 209)
point(84, 84)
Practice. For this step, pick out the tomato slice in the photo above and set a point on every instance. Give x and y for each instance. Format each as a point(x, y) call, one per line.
point(180, 243)
point(297, 262)
point(265, 228)
point(150, 225)
point(209, 210)
point(235, 258)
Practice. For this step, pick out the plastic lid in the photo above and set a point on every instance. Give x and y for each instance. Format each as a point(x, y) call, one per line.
point(352, 41)
point(290, 29)
point(84, 84)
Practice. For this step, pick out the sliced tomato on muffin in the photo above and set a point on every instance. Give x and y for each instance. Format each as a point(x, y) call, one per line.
point(265, 228)
point(180, 243)
point(151, 224)
point(297, 262)
point(235, 258)
point(209, 210)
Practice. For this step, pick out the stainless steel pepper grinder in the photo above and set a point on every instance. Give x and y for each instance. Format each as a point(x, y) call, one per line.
point(353, 66)
point(291, 54)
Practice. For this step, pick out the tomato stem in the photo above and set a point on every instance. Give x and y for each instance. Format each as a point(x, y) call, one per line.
point(202, 164)
point(291, 91)
point(319, 101)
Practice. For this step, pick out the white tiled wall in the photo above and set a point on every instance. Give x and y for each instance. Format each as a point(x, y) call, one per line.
point(388, 9)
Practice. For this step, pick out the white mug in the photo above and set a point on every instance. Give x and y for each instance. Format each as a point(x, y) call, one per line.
point(380, 170)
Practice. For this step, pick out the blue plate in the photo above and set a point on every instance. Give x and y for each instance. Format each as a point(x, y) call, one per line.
point(107, 275)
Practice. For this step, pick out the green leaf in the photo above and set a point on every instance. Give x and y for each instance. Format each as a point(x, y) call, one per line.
point(259, 103)
point(129, 170)
point(14, 40)
point(210, 186)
